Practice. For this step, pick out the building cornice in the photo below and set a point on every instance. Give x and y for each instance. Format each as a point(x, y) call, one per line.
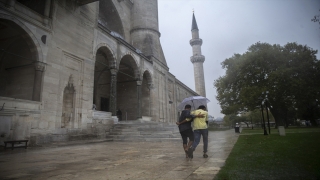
point(196, 42)
point(145, 29)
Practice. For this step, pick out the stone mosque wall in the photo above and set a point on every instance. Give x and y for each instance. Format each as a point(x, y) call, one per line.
point(60, 58)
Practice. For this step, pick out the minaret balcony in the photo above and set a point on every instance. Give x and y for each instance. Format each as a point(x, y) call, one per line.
point(196, 42)
point(197, 58)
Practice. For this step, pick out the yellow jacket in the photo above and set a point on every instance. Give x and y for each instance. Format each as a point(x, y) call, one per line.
point(200, 123)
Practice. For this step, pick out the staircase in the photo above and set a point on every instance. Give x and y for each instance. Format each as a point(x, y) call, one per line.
point(138, 130)
point(101, 124)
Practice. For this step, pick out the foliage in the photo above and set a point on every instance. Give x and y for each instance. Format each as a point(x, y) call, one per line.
point(294, 156)
point(289, 73)
point(255, 116)
point(316, 18)
point(230, 120)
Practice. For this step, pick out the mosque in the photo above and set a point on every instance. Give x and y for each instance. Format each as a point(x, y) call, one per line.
point(67, 66)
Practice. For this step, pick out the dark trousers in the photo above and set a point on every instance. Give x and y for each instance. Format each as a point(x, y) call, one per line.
point(197, 136)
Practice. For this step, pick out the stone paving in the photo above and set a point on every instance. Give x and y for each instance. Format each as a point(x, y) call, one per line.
point(98, 160)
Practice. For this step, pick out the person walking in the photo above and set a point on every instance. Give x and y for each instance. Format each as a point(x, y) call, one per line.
point(119, 115)
point(200, 128)
point(185, 129)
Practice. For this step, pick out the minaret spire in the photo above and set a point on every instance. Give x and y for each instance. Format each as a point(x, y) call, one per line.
point(197, 59)
point(194, 23)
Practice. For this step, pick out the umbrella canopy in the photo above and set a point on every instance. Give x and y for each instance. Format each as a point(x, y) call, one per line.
point(194, 101)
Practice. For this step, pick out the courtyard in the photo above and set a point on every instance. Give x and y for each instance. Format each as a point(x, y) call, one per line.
point(102, 160)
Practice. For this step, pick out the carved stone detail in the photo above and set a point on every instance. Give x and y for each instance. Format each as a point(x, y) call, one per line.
point(40, 66)
point(139, 83)
point(196, 42)
point(197, 58)
point(68, 110)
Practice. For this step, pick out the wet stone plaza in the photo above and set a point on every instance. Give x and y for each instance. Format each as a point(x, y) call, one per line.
point(102, 160)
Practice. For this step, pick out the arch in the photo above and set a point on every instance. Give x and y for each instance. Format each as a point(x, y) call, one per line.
point(68, 110)
point(30, 39)
point(109, 17)
point(129, 61)
point(109, 54)
point(148, 76)
point(128, 86)
point(104, 61)
point(21, 53)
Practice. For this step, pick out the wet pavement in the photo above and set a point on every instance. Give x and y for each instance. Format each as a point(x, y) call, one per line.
point(98, 160)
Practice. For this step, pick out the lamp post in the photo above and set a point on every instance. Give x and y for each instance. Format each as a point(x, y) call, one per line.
point(267, 114)
point(267, 105)
point(264, 124)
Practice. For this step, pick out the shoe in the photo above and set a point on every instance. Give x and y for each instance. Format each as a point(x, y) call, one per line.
point(205, 155)
point(190, 152)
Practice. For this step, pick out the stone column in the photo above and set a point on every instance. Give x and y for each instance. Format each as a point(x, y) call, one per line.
point(150, 87)
point(47, 12)
point(39, 68)
point(139, 83)
point(113, 91)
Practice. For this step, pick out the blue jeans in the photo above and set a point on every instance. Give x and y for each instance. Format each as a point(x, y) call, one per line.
point(197, 135)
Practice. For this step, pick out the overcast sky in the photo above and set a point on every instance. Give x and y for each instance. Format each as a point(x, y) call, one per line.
point(231, 26)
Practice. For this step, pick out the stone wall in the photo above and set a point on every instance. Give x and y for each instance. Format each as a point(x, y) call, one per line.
point(74, 47)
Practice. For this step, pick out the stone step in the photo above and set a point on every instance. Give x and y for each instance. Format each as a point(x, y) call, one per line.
point(138, 130)
point(99, 114)
point(157, 129)
point(140, 125)
point(122, 136)
point(135, 122)
point(150, 140)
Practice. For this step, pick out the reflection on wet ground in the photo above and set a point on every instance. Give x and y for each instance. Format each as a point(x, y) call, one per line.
point(117, 160)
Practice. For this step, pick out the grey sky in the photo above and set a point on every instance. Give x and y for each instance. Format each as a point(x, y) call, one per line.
point(231, 26)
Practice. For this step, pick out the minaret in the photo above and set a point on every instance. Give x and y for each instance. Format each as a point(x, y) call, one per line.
point(144, 31)
point(197, 59)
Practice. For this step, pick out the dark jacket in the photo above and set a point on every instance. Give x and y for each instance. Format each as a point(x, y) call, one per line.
point(187, 125)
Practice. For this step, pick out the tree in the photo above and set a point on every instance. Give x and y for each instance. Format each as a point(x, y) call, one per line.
point(289, 73)
point(316, 18)
point(231, 120)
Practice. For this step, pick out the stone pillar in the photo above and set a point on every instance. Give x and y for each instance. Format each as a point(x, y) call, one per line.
point(47, 12)
point(150, 87)
point(11, 3)
point(139, 83)
point(39, 68)
point(113, 91)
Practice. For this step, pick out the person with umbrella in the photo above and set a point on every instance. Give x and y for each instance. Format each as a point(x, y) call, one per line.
point(185, 129)
point(200, 128)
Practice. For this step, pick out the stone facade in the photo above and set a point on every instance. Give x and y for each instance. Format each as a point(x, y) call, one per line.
point(59, 57)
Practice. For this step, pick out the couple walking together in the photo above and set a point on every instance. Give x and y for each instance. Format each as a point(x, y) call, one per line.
point(200, 128)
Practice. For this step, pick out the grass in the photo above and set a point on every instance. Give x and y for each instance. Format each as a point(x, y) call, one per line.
point(275, 131)
point(255, 156)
